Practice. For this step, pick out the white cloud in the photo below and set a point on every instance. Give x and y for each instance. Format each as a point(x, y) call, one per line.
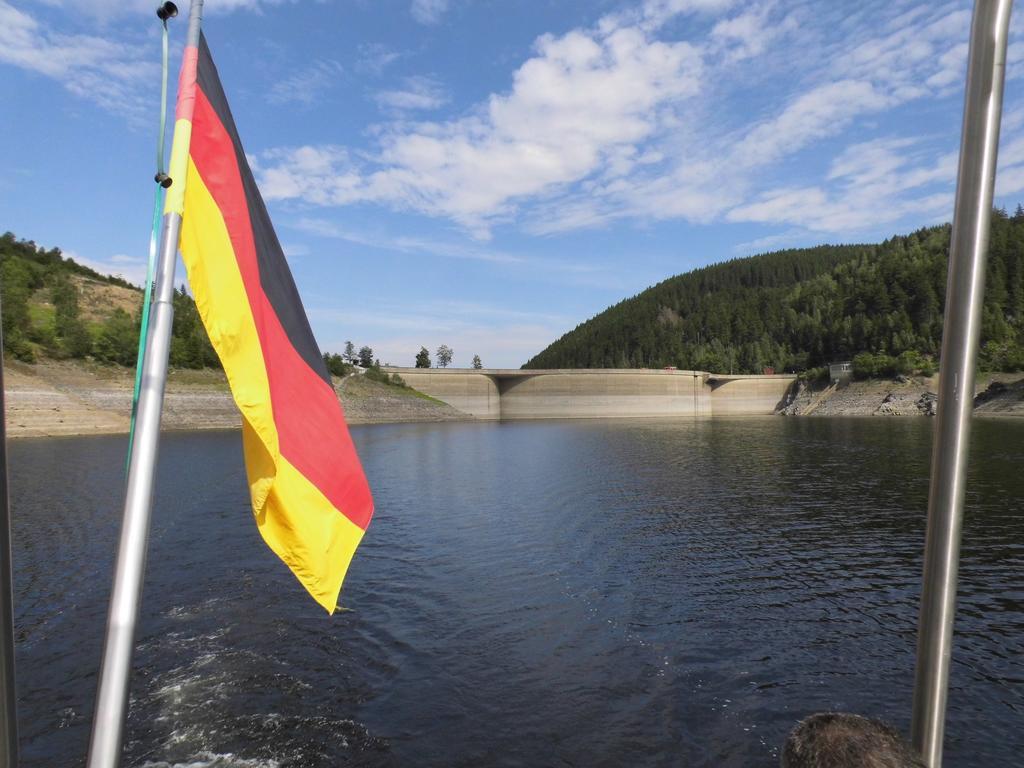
point(418, 92)
point(295, 250)
point(322, 175)
point(822, 111)
point(952, 68)
point(862, 76)
point(750, 33)
point(620, 121)
point(792, 238)
point(101, 70)
point(374, 58)
point(916, 50)
point(405, 244)
point(875, 183)
point(428, 11)
point(304, 87)
point(870, 161)
point(655, 13)
point(1010, 181)
point(548, 269)
point(130, 268)
point(572, 108)
point(799, 204)
point(1010, 174)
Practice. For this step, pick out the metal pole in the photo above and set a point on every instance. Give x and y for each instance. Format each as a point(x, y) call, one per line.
point(8, 689)
point(115, 672)
point(962, 328)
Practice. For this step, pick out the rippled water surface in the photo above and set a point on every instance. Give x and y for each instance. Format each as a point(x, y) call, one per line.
point(529, 594)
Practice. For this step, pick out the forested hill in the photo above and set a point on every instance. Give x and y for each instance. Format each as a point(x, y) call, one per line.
point(880, 305)
point(55, 307)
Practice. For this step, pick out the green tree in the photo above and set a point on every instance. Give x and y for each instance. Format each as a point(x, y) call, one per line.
point(350, 353)
point(77, 341)
point(374, 373)
point(804, 308)
point(477, 362)
point(190, 345)
point(423, 358)
point(118, 340)
point(444, 356)
point(336, 364)
point(366, 357)
point(16, 282)
point(71, 334)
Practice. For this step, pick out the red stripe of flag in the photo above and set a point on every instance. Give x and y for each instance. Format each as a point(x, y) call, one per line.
point(311, 426)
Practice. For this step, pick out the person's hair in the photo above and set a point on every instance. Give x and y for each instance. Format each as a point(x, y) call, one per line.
point(839, 740)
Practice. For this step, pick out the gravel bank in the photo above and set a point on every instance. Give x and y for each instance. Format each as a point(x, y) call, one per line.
point(53, 398)
point(997, 395)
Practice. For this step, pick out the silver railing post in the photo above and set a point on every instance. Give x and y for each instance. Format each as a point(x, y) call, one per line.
point(8, 689)
point(961, 332)
point(111, 709)
point(126, 596)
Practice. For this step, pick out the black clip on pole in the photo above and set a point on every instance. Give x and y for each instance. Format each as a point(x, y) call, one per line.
point(167, 10)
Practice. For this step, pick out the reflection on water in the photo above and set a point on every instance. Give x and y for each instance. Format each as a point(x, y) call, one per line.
point(586, 593)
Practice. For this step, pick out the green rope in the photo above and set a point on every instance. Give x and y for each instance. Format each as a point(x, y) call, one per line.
point(154, 236)
point(163, 105)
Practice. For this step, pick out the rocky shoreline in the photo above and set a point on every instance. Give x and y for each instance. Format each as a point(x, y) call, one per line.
point(995, 395)
point(55, 398)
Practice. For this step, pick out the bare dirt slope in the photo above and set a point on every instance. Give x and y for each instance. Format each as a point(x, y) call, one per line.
point(97, 300)
point(997, 395)
point(1002, 397)
point(51, 398)
point(369, 402)
point(37, 407)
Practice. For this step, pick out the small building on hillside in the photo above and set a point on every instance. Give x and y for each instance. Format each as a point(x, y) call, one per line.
point(840, 373)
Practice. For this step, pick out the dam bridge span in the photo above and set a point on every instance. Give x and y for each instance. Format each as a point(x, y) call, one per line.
point(511, 394)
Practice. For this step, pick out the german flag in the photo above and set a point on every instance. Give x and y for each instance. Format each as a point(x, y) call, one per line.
point(309, 494)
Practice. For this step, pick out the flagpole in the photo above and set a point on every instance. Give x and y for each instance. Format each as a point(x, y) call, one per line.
point(115, 671)
point(962, 329)
point(8, 689)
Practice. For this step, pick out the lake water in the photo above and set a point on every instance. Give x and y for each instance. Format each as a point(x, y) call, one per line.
point(528, 594)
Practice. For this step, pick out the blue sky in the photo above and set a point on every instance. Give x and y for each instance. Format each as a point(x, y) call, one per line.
point(488, 174)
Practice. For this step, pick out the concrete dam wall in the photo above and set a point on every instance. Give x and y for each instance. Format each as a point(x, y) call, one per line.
point(512, 394)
